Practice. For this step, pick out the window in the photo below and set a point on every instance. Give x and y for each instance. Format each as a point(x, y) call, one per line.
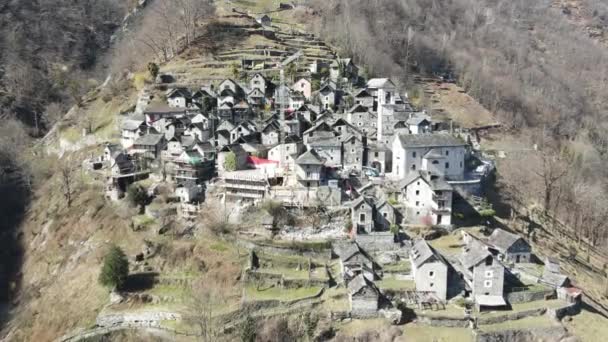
point(417, 203)
point(460, 164)
point(417, 213)
point(489, 260)
point(489, 274)
point(447, 165)
point(417, 192)
point(352, 150)
point(376, 154)
point(385, 215)
point(435, 162)
point(447, 153)
point(414, 167)
point(432, 274)
point(487, 283)
point(357, 159)
point(413, 154)
point(256, 82)
point(431, 284)
point(362, 217)
point(303, 85)
point(418, 183)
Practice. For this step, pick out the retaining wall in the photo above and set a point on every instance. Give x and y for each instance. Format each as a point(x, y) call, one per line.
point(287, 250)
point(528, 296)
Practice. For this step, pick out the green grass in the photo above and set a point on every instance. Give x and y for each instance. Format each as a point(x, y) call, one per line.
point(524, 323)
point(403, 266)
point(274, 293)
point(71, 134)
point(449, 244)
point(588, 326)
point(451, 311)
point(423, 333)
point(394, 284)
point(520, 307)
point(175, 292)
point(143, 220)
point(291, 273)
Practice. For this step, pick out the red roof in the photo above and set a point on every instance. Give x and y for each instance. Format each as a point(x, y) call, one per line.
point(260, 161)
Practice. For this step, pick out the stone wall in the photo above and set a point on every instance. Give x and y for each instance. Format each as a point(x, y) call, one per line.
point(443, 321)
point(568, 310)
point(284, 250)
point(377, 242)
point(252, 276)
point(528, 296)
point(143, 318)
point(512, 316)
point(556, 333)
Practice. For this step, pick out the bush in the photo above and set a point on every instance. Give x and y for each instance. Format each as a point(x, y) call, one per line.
point(230, 162)
point(348, 225)
point(394, 229)
point(137, 196)
point(115, 268)
point(248, 330)
point(153, 69)
point(487, 213)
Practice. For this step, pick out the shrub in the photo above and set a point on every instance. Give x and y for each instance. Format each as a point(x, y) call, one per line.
point(348, 225)
point(248, 330)
point(153, 69)
point(487, 213)
point(392, 200)
point(115, 268)
point(394, 229)
point(137, 196)
point(230, 162)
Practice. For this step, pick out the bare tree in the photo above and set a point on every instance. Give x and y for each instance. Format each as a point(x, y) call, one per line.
point(67, 182)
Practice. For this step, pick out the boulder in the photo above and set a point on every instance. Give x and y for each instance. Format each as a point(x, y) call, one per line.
point(116, 298)
point(393, 315)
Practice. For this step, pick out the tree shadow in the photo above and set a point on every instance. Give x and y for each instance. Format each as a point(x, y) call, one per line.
point(138, 282)
point(14, 199)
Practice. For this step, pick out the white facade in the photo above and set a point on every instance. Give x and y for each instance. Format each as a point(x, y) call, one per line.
point(303, 86)
point(447, 161)
point(177, 101)
point(425, 206)
point(431, 276)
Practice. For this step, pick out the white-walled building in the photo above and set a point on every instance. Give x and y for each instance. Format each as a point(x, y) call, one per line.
point(440, 153)
point(429, 269)
point(427, 199)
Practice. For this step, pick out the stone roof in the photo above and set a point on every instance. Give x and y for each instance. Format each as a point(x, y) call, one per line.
point(429, 140)
point(376, 83)
point(502, 240)
point(360, 282)
point(418, 119)
point(309, 158)
point(360, 200)
point(361, 93)
point(474, 253)
point(131, 125)
point(206, 146)
point(149, 140)
point(424, 252)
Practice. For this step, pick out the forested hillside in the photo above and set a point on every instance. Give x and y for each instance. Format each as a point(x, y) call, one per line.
point(542, 69)
point(45, 63)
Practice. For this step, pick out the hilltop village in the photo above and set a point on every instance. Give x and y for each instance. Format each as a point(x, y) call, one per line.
point(346, 145)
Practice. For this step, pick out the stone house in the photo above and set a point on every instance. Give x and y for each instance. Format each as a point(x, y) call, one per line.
point(328, 97)
point(386, 215)
point(204, 97)
point(309, 169)
point(256, 98)
point(149, 146)
point(117, 160)
point(354, 261)
point(178, 97)
point(303, 86)
point(364, 98)
point(427, 199)
point(321, 129)
point(511, 248)
point(552, 275)
point(483, 274)
point(441, 154)
point(361, 118)
point(271, 133)
point(131, 130)
point(286, 154)
point(343, 68)
point(419, 123)
point(156, 112)
point(207, 120)
point(362, 214)
point(198, 131)
point(429, 268)
point(353, 152)
point(259, 82)
point(296, 100)
point(189, 192)
point(329, 148)
point(364, 297)
point(379, 157)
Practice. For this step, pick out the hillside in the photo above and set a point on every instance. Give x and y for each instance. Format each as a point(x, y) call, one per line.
point(199, 267)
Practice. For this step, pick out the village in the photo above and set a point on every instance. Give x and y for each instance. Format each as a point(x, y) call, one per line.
point(402, 231)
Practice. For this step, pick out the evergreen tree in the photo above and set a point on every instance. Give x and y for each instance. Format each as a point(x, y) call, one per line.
point(115, 268)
